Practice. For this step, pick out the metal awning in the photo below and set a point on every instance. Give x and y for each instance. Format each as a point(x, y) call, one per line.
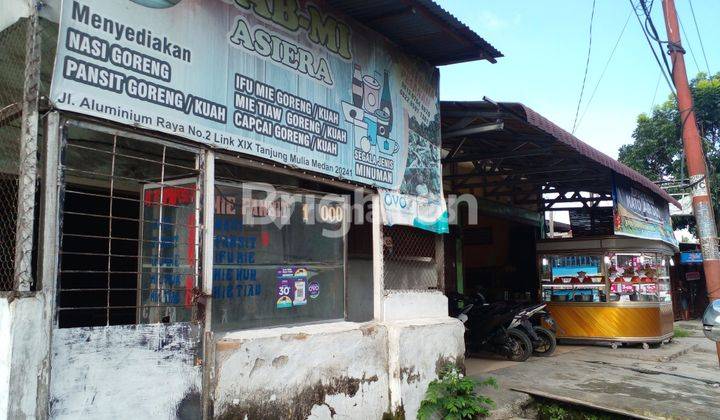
point(421, 28)
point(510, 153)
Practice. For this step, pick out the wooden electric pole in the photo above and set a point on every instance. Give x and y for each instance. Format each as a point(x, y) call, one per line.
point(695, 156)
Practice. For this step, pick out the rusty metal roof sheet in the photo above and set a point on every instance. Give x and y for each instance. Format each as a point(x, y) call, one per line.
point(422, 28)
point(520, 118)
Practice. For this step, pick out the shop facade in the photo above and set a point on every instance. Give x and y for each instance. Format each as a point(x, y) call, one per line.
point(239, 213)
point(688, 283)
point(608, 277)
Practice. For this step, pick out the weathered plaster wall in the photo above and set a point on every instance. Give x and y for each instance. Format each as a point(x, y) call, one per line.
point(27, 351)
point(414, 304)
point(316, 371)
point(419, 349)
point(5, 353)
point(131, 372)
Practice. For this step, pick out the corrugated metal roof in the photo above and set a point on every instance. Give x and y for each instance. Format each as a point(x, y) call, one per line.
point(524, 118)
point(422, 28)
point(563, 136)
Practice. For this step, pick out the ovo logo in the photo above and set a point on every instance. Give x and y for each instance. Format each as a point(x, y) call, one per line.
point(157, 4)
point(393, 200)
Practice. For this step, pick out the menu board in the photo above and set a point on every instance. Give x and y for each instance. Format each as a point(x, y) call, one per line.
point(289, 81)
point(271, 272)
point(168, 251)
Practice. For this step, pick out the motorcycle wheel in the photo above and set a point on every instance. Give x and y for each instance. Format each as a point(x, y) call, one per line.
point(519, 345)
point(546, 344)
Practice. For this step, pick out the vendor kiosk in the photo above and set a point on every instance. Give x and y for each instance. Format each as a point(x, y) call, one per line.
point(611, 288)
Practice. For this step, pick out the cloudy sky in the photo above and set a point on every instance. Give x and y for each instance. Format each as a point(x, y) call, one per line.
point(545, 44)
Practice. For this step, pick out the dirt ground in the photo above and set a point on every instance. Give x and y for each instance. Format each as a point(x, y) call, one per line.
point(679, 380)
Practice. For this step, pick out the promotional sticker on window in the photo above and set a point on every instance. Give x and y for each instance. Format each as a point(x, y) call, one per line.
point(300, 280)
point(284, 287)
point(291, 287)
point(314, 289)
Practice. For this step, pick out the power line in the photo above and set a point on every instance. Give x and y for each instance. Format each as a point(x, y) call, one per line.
point(602, 74)
point(697, 28)
point(657, 85)
point(692, 53)
point(653, 33)
point(587, 66)
point(652, 48)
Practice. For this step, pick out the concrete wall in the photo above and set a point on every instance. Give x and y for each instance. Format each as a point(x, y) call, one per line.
point(131, 372)
point(414, 304)
point(419, 349)
point(24, 347)
point(345, 369)
point(5, 354)
point(315, 371)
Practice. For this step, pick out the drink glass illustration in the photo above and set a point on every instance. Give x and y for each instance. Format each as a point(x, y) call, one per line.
point(371, 94)
point(387, 146)
point(384, 121)
point(357, 86)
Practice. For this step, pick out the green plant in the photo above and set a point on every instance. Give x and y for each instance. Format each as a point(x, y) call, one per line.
point(552, 410)
point(679, 332)
point(453, 396)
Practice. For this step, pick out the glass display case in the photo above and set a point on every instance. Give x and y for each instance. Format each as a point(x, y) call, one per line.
point(613, 288)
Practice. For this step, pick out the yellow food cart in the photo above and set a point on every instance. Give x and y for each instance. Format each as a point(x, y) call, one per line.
point(614, 288)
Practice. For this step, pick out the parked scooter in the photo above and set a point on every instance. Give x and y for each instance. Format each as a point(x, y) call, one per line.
point(492, 327)
point(532, 319)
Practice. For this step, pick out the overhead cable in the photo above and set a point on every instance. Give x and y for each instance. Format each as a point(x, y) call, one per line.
point(697, 28)
point(653, 33)
point(652, 48)
point(687, 41)
point(587, 66)
point(602, 74)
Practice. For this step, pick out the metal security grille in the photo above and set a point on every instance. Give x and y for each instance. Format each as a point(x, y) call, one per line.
point(12, 73)
point(27, 51)
point(130, 236)
point(410, 258)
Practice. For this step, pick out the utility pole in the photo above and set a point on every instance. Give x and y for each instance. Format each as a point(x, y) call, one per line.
point(695, 156)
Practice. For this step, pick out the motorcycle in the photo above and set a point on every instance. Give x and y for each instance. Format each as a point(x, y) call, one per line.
point(533, 320)
point(492, 327)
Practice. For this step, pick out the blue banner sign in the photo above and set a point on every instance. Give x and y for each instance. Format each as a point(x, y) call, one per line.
point(691, 258)
point(641, 215)
point(280, 80)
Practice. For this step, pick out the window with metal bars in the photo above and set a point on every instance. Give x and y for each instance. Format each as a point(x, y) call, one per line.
point(130, 232)
point(410, 258)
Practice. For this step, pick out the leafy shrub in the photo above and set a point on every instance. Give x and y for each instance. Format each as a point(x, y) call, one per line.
point(551, 410)
point(453, 397)
point(679, 333)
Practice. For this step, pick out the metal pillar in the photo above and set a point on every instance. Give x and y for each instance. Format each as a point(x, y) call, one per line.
point(208, 217)
point(695, 156)
point(378, 268)
point(27, 172)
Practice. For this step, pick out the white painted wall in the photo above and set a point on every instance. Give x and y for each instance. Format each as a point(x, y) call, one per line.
point(28, 354)
point(130, 372)
point(312, 370)
point(347, 369)
point(419, 349)
point(12, 10)
point(414, 304)
point(5, 354)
